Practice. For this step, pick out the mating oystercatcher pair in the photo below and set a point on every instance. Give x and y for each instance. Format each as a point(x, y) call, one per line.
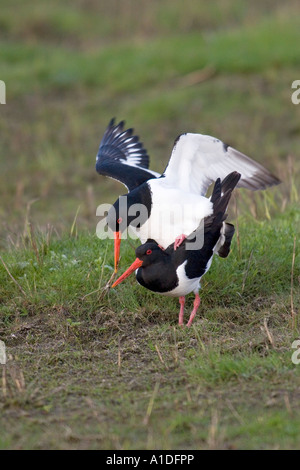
point(173, 206)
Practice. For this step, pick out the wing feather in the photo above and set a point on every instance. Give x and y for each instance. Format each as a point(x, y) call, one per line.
point(122, 156)
point(197, 160)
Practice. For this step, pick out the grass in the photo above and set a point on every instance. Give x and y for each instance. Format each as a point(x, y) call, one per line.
point(109, 350)
point(269, 45)
point(95, 368)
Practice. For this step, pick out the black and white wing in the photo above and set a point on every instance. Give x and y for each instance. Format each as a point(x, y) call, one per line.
point(121, 156)
point(197, 160)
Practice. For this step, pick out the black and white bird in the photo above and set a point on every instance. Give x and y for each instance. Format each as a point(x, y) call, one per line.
point(178, 272)
point(167, 207)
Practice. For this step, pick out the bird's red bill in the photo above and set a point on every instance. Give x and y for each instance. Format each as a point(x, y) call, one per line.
point(135, 265)
point(117, 238)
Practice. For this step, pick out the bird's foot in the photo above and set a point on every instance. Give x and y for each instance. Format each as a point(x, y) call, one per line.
point(179, 240)
point(194, 311)
point(182, 302)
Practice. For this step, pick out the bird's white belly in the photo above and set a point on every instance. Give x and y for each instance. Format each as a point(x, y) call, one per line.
point(174, 212)
point(185, 285)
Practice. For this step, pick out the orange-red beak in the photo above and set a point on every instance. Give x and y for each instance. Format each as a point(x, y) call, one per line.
point(135, 265)
point(117, 237)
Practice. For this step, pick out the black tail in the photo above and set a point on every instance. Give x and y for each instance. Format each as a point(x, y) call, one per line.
point(220, 199)
point(217, 234)
point(230, 181)
point(210, 238)
point(212, 234)
point(222, 192)
point(224, 249)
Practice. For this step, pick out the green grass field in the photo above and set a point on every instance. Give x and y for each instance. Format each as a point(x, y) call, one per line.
point(90, 367)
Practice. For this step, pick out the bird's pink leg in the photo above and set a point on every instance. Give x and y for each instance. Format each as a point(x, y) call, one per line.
point(182, 302)
point(194, 311)
point(179, 240)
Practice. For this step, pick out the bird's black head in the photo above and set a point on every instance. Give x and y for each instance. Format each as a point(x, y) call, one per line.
point(117, 217)
point(128, 210)
point(150, 253)
point(146, 255)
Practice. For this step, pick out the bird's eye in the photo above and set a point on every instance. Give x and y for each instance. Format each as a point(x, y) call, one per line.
point(119, 220)
point(148, 252)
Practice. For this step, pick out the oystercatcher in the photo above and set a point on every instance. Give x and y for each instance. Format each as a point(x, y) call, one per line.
point(177, 272)
point(167, 207)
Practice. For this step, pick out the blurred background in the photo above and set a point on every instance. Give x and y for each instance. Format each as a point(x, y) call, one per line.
point(221, 68)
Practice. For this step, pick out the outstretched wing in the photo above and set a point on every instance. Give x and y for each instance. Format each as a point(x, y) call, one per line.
point(197, 160)
point(121, 156)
